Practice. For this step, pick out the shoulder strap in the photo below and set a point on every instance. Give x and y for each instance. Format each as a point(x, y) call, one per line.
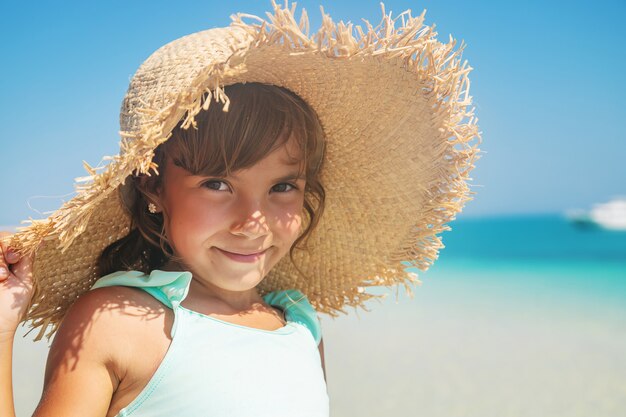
point(298, 309)
point(169, 287)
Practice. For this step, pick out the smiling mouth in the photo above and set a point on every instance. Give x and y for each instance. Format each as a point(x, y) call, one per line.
point(253, 257)
point(244, 254)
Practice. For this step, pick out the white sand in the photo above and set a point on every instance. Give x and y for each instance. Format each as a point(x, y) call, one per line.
point(455, 353)
point(479, 356)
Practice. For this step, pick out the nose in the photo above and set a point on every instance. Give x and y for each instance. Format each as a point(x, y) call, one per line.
point(251, 222)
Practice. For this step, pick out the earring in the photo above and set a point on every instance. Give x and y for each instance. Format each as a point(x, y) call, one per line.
point(152, 208)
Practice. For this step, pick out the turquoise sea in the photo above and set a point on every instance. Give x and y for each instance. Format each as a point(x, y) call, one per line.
point(549, 238)
point(546, 256)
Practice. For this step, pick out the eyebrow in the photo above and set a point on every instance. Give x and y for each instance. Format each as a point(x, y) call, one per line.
point(295, 176)
point(288, 177)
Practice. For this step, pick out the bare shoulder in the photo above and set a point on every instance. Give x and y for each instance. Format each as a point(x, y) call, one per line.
point(124, 307)
point(99, 338)
point(106, 314)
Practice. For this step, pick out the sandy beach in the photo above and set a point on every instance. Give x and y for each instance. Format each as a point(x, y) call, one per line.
point(461, 347)
point(452, 358)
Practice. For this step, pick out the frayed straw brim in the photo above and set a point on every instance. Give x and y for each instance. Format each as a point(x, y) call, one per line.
point(401, 140)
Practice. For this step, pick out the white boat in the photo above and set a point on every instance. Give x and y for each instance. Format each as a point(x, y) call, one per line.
point(609, 216)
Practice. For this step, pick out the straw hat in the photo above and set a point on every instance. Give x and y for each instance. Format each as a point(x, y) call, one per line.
point(401, 140)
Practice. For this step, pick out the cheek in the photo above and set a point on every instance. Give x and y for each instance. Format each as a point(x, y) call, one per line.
point(188, 217)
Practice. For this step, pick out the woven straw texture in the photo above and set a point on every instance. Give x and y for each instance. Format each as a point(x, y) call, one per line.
point(401, 140)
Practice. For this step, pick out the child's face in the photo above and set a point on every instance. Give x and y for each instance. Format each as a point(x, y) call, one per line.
point(254, 210)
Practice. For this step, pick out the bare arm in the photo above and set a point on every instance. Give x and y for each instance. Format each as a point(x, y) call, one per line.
point(6, 377)
point(81, 369)
point(15, 294)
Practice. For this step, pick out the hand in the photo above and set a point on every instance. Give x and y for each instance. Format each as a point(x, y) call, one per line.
point(16, 287)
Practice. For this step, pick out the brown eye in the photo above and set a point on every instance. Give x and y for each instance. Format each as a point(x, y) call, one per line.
point(281, 188)
point(215, 185)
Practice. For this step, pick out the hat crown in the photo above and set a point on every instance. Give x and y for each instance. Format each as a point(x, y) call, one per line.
point(173, 71)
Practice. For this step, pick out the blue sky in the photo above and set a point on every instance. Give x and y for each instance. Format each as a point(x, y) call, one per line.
point(547, 84)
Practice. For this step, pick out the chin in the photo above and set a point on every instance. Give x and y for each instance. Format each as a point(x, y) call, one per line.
point(240, 284)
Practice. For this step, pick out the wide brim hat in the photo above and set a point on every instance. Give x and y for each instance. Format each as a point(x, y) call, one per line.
point(401, 140)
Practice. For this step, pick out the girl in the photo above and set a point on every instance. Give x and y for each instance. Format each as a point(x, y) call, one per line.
point(264, 176)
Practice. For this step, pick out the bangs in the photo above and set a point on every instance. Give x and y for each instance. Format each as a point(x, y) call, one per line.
point(261, 118)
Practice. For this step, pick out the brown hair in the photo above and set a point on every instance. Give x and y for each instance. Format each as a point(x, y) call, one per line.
point(261, 118)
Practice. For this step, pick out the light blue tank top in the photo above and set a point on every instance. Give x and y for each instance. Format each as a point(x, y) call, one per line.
point(218, 369)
